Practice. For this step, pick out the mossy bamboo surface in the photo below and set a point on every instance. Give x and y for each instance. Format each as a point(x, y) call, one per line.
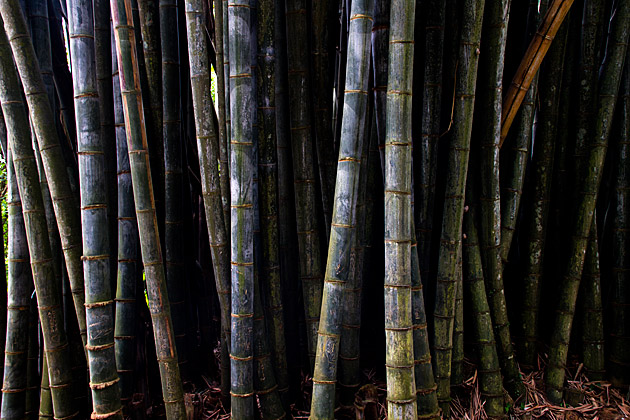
point(609, 80)
point(48, 294)
point(145, 209)
point(457, 362)
point(514, 160)
point(459, 149)
point(207, 147)
point(592, 312)
point(173, 177)
point(20, 288)
point(66, 209)
point(537, 208)
point(490, 381)
point(128, 244)
point(31, 408)
point(268, 192)
point(242, 163)
point(304, 169)
point(425, 170)
point(399, 355)
point(94, 222)
point(322, 105)
point(619, 359)
point(343, 221)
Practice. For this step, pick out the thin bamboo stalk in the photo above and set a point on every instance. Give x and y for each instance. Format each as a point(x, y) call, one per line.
point(48, 292)
point(609, 80)
point(94, 222)
point(45, 394)
point(531, 62)
point(459, 149)
point(222, 94)
point(304, 170)
point(380, 48)
point(457, 362)
point(145, 209)
point(31, 408)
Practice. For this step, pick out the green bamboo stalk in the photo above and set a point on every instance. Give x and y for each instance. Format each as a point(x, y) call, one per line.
point(207, 146)
point(94, 222)
point(457, 362)
point(20, 288)
point(514, 161)
point(103, 60)
point(226, 78)
point(48, 295)
point(128, 243)
point(268, 193)
point(173, 177)
point(31, 408)
point(265, 384)
point(610, 77)
point(619, 360)
point(425, 172)
point(66, 210)
point(322, 101)
point(537, 207)
point(222, 94)
point(45, 395)
point(399, 356)
point(490, 381)
point(343, 222)
point(304, 169)
point(592, 312)
point(242, 207)
point(490, 98)
point(145, 210)
point(459, 149)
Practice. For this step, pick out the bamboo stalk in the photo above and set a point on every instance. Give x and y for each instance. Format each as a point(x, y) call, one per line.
point(531, 62)
point(459, 149)
point(48, 292)
point(457, 362)
point(380, 48)
point(128, 243)
point(20, 288)
point(610, 77)
point(304, 170)
point(45, 395)
point(145, 209)
point(222, 94)
point(94, 222)
point(31, 408)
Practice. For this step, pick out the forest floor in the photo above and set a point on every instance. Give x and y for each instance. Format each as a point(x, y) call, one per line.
point(597, 400)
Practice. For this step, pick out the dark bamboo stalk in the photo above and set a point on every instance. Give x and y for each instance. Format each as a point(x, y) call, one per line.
point(145, 209)
point(619, 359)
point(304, 169)
point(459, 149)
point(94, 222)
point(242, 207)
point(20, 288)
point(48, 292)
point(45, 395)
point(31, 408)
point(66, 210)
point(380, 48)
point(128, 244)
point(222, 94)
point(609, 80)
point(457, 362)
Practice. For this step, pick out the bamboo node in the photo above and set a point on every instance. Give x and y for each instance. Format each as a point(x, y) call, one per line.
point(96, 416)
point(99, 348)
point(98, 304)
point(249, 394)
point(103, 385)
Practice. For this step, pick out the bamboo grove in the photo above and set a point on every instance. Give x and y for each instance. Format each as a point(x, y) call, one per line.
point(284, 202)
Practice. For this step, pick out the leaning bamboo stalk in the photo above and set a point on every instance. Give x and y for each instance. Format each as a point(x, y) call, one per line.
point(609, 81)
point(493, 57)
point(619, 359)
point(592, 312)
point(45, 395)
point(95, 229)
point(459, 149)
point(222, 94)
point(173, 177)
point(531, 63)
point(399, 357)
point(344, 209)
point(457, 361)
point(66, 210)
point(537, 208)
point(207, 146)
point(20, 288)
point(128, 243)
point(145, 209)
point(242, 207)
point(268, 195)
point(304, 169)
point(48, 292)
